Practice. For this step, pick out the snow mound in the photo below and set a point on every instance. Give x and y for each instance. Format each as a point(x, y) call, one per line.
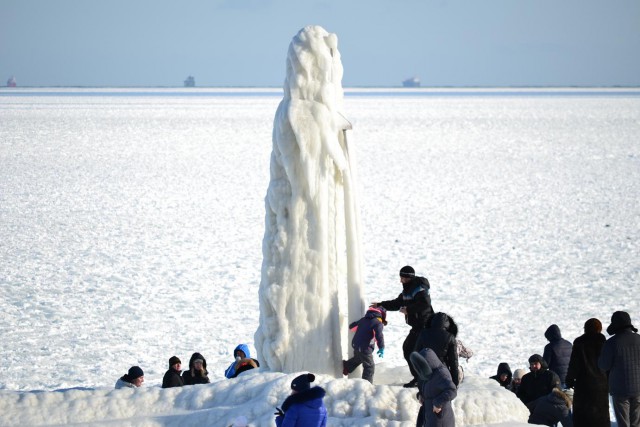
point(254, 395)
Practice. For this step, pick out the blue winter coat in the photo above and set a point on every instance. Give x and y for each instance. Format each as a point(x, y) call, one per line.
point(304, 409)
point(557, 353)
point(369, 331)
point(231, 372)
point(438, 391)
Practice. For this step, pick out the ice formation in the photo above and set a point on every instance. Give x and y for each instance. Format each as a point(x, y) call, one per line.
point(311, 271)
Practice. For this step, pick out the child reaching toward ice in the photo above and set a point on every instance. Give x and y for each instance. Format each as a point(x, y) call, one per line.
point(368, 332)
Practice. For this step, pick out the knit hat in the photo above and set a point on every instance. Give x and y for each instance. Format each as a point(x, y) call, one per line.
point(536, 358)
point(407, 271)
point(173, 360)
point(302, 382)
point(592, 326)
point(135, 372)
point(620, 320)
point(519, 373)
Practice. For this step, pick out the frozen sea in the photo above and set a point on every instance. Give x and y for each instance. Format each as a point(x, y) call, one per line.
point(131, 221)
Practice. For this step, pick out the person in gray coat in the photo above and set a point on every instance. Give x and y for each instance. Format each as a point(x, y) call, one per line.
point(437, 390)
point(557, 353)
point(620, 357)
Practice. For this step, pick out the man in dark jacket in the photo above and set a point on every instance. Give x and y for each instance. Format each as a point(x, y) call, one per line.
point(172, 377)
point(557, 353)
point(537, 383)
point(415, 303)
point(591, 390)
point(620, 357)
point(440, 336)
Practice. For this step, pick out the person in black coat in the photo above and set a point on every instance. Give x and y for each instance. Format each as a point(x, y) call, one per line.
point(537, 383)
point(197, 373)
point(620, 357)
point(504, 375)
point(591, 391)
point(552, 409)
point(557, 353)
point(172, 377)
point(415, 303)
point(440, 336)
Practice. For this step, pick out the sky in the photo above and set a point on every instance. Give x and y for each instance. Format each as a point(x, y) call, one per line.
point(244, 42)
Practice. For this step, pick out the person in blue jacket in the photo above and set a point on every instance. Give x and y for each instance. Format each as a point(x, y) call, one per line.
point(243, 362)
point(304, 407)
point(368, 332)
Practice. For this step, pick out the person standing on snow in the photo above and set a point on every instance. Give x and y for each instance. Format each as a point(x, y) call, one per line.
point(620, 357)
point(440, 336)
point(590, 385)
point(415, 303)
point(304, 407)
point(368, 331)
point(537, 383)
point(557, 353)
point(437, 390)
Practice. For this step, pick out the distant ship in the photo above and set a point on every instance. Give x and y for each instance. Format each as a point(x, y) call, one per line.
point(190, 82)
point(411, 82)
point(11, 82)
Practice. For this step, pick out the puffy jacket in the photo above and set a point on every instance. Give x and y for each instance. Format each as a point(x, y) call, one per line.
point(438, 338)
point(539, 383)
point(557, 353)
point(621, 358)
point(304, 409)
point(551, 409)
point(415, 297)
point(369, 330)
point(172, 378)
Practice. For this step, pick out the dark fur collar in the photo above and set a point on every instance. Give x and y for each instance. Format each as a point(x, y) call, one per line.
point(304, 396)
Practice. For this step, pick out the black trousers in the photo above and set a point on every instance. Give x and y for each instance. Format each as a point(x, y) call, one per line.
point(408, 348)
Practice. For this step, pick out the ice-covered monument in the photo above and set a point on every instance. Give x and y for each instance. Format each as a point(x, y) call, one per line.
point(311, 270)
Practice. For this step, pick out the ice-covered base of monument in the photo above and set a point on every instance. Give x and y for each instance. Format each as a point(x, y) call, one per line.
point(255, 395)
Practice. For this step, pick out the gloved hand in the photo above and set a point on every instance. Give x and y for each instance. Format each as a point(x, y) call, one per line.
point(381, 352)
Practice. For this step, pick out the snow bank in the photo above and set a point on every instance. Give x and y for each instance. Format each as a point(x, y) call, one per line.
point(254, 395)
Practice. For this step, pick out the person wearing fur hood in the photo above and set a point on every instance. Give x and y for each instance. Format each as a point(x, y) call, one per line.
point(304, 407)
point(551, 409)
point(437, 390)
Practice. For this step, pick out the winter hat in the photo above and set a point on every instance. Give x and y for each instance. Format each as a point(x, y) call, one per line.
point(135, 372)
point(592, 326)
point(382, 311)
point(173, 360)
point(519, 373)
point(620, 320)
point(302, 382)
point(407, 271)
point(536, 358)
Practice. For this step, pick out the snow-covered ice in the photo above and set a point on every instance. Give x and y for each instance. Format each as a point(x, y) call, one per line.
point(132, 227)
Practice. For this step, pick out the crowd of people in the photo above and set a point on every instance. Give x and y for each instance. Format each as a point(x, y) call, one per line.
point(568, 384)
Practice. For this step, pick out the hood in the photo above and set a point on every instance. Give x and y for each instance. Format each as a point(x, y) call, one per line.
point(432, 359)
point(620, 320)
point(553, 333)
point(504, 368)
point(244, 348)
point(196, 356)
point(311, 398)
point(443, 321)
